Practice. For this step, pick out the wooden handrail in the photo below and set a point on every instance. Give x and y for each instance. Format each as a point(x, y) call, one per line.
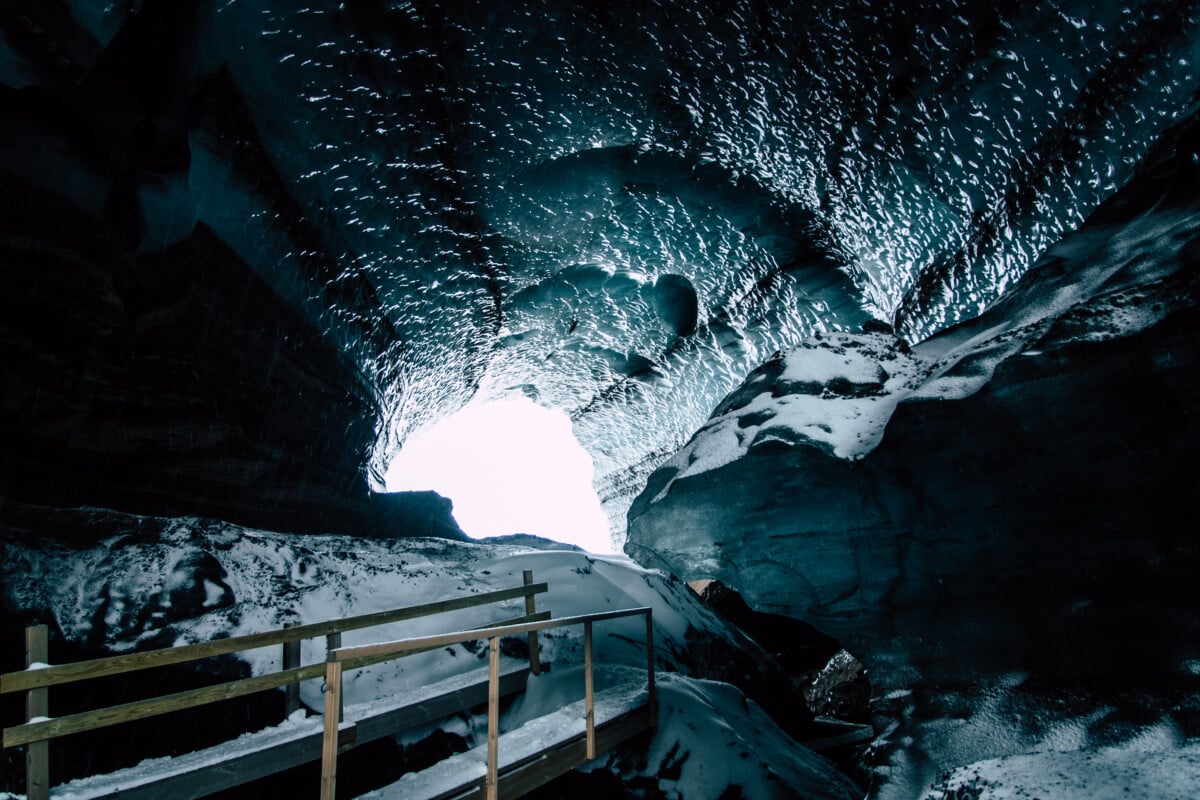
point(46, 676)
point(401, 646)
point(165, 704)
point(589, 713)
point(341, 658)
point(38, 676)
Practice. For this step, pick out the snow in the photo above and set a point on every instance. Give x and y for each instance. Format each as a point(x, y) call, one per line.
point(1125, 773)
point(835, 391)
point(554, 725)
point(710, 736)
point(1002, 738)
point(272, 578)
point(296, 726)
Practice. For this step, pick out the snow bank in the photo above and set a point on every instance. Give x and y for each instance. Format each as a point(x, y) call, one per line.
point(1110, 774)
point(835, 391)
point(134, 591)
point(711, 738)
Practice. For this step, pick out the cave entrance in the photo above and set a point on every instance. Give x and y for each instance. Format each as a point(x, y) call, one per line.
point(509, 466)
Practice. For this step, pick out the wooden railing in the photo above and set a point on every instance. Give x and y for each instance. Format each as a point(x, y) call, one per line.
point(36, 680)
point(343, 658)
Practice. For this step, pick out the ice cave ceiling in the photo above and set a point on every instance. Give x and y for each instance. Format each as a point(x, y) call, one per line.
point(619, 211)
point(883, 314)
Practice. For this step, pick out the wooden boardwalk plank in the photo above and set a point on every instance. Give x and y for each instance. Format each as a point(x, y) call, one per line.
point(524, 778)
point(257, 755)
point(539, 750)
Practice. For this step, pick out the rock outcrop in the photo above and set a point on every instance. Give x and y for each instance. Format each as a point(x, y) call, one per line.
point(995, 519)
point(175, 382)
point(1006, 495)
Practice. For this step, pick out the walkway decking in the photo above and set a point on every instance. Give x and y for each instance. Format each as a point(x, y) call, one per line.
point(506, 766)
point(291, 744)
point(537, 752)
point(542, 749)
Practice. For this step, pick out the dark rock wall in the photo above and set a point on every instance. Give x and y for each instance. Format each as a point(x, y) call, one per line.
point(1045, 518)
point(176, 382)
point(145, 365)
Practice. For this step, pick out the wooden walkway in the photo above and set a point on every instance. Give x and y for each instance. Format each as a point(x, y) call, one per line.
point(532, 754)
point(536, 752)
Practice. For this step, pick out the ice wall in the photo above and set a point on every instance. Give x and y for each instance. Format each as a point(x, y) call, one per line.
point(617, 214)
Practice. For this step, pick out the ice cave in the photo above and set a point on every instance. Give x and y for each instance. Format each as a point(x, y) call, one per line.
point(872, 325)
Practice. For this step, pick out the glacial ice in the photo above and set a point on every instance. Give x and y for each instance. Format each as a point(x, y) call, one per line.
point(472, 207)
point(1009, 548)
point(635, 217)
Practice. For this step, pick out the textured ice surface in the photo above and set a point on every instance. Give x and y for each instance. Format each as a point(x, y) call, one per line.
point(1112, 278)
point(622, 214)
point(1013, 538)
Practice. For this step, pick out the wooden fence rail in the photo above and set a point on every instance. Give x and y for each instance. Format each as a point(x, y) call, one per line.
point(36, 733)
point(340, 659)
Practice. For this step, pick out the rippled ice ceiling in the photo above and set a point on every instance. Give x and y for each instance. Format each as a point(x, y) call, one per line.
point(621, 209)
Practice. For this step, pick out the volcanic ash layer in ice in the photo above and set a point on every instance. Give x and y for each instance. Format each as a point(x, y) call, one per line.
point(158, 582)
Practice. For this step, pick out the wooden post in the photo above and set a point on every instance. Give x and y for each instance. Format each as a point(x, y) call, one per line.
point(589, 690)
point(493, 717)
point(332, 642)
point(329, 744)
point(291, 659)
point(535, 660)
point(650, 667)
point(37, 704)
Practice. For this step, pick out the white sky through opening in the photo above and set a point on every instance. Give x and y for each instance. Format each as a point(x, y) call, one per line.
point(509, 466)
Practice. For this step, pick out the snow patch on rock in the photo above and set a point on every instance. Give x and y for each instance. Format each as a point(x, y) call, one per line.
point(835, 392)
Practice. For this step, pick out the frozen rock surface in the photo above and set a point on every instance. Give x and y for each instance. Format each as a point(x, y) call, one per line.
point(1008, 496)
point(177, 382)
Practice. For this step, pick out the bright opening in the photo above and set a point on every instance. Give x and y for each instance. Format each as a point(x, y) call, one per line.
point(509, 466)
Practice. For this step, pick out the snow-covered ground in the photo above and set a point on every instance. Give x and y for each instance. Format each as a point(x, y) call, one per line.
point(1107, 774)
point(835, 392)
point(188, 580)
point(710, 736)
point(193, 580)
point(1019, 737)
